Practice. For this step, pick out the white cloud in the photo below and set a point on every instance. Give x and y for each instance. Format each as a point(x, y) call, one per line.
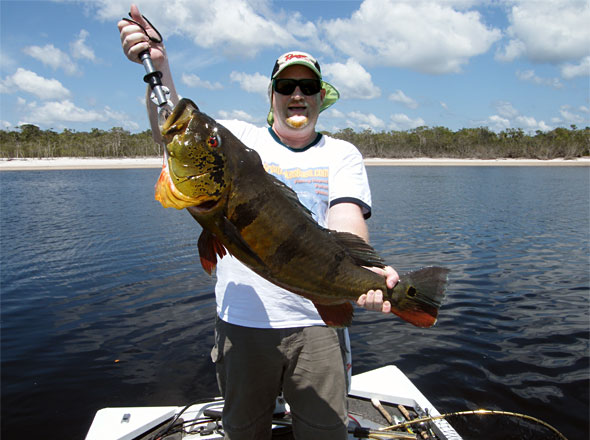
point(514, 49)
point(402, 98)
point(80, 50)
point(27, 81)
point(530, 123)
point(531, 76)
point(570, 117)
point(351, 80)
point(53, 57)
point(400, 121)
point(251, 83)
point(569, 71)
point(426, 36)
point(505, 109)
point(334, 113)
point(498, 123)
point(107, 10)
point(5, 124)
point(63, 113)
point(507, 116)
point(121, 118)
point(193, 80)
point(7, 61)
point(234, 27)
point(364, 121)
point(527, 123)
point(549, 31)
point(241, 115)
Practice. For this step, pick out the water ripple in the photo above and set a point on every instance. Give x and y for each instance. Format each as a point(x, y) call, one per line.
point(104, 302)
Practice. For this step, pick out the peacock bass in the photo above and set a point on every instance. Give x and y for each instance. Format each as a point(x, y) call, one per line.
point(259, 220)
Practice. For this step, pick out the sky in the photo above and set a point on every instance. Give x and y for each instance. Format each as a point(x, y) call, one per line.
point(399, 65)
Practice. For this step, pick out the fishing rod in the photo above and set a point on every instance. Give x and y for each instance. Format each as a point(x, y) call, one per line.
point(472, 413)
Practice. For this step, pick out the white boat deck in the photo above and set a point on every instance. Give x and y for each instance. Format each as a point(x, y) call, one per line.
point(388, 384)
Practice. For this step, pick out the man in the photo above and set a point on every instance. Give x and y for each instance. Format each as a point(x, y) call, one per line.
point(269, 340)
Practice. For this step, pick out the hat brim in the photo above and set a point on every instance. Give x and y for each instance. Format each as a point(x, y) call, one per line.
point(332, 95)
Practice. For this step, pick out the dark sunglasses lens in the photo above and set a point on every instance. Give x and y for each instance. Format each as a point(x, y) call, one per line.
point(286, 86)
point(310, 86)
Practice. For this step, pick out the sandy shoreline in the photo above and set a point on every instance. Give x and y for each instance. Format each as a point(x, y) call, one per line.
point(71, 163)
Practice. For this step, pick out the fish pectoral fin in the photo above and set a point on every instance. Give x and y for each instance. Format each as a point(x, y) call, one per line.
point(209, 248)
point(336, 315)
point(361, 252)
point(241, 248)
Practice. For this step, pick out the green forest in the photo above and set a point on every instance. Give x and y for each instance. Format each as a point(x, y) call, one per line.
point(29, 141)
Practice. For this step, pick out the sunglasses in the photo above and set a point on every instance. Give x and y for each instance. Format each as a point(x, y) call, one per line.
point(286, 86)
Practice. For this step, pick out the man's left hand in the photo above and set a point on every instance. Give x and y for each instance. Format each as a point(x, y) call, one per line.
point(373, 299)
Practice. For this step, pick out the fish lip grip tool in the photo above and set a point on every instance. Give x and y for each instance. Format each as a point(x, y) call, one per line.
point(160, 95)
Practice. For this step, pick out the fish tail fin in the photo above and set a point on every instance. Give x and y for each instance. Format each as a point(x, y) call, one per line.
point(419, 294)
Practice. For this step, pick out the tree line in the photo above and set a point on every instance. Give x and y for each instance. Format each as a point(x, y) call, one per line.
point(32, 142)
point(29, 141)
point(471, 143)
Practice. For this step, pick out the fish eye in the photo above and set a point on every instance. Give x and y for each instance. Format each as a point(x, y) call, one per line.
point(213, 141)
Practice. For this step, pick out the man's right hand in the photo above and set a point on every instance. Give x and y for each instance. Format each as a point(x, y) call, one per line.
point(134, 40)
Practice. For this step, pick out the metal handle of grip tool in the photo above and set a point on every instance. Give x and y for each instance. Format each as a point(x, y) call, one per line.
point(159, 93)
point(154, 78)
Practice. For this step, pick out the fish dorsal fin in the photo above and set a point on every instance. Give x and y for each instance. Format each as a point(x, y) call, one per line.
point(362, 253)
point(290, 195)
point(336, 315)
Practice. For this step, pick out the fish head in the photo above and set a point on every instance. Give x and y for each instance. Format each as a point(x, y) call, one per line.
point(195, 166)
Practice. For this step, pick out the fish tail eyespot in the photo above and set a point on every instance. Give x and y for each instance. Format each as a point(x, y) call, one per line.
point(419, 296)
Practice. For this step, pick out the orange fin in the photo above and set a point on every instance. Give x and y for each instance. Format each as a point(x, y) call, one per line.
point(336, 315)
point(419, 294)
point(419, 318)
point(209, 247)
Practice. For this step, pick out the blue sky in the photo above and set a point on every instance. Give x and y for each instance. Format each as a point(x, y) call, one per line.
point(397, 64)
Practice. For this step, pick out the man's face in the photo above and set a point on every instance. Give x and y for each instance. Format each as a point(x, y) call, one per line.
point(297, 110)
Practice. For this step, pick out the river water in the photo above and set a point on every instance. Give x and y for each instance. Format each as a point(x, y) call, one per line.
point(104, 303)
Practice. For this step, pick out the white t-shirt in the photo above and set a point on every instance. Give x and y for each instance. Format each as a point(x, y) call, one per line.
point(327, 172)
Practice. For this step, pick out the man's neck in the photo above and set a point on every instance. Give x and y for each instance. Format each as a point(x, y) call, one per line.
point(295, 140)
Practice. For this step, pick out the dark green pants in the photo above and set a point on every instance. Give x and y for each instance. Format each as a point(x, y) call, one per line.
point(255, 365)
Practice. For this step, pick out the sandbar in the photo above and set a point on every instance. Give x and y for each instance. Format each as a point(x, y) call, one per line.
point(78, 163)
